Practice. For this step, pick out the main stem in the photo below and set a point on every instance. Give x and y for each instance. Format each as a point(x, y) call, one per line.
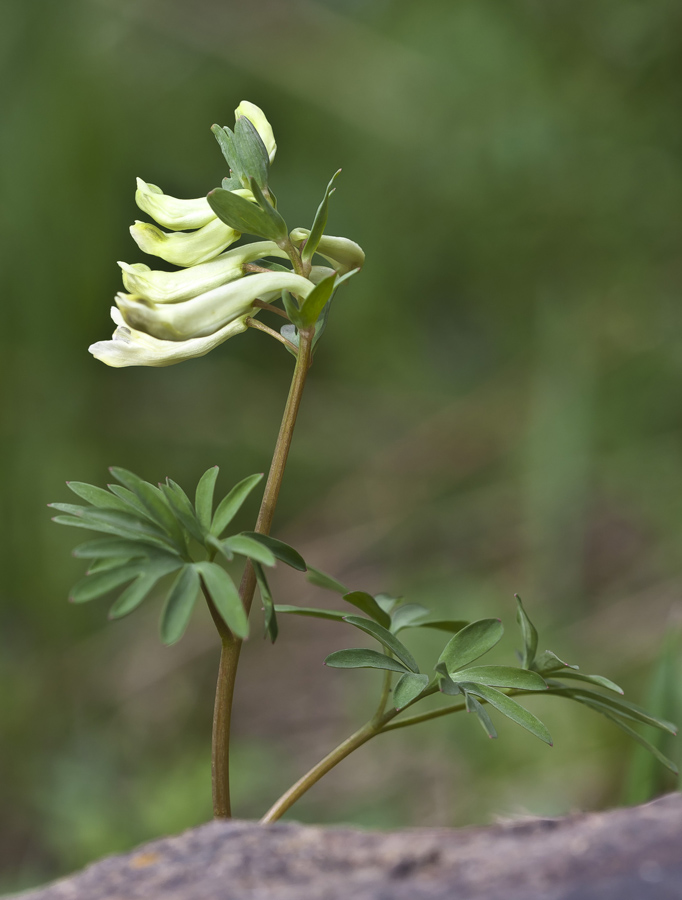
point(231, 646)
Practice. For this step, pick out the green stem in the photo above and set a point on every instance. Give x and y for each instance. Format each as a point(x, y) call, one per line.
point(231, 646)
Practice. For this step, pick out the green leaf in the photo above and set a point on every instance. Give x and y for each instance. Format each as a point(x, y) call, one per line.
point(246, 546)
point(230, 505)
point(225, 139)
point(529, 634)
point(668, 763)
point(334, 614)
point(501, 676)
point(179, 605)
point(408, 688)
point(511, 709)
point(249, 147)
point(277, 223)
point(111, 547)
point(268, 606)
point(110, 521)
point(452, 626)
point(244, 216)
point(384, 636)
point(604, 703)
point(592, 679)
point(407, 616)
point(100, 583)
point(225, 597)
point(320, 222)
point(470, 643)
point(320, 579)
point(548, 662)
point(136, 592)
point(204, 497)
point(131, 500)
point(473, 705)
point(105, 565)
point(292, 309)
point(183, 509)
point(365, 602)
point(283, 552)
point(386, 602)
point(96, 495)
point(363, 659)
point(316, 301)
point(153, 500)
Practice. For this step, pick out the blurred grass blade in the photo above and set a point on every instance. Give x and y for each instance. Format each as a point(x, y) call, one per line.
point(384, 636)
point(367, 604)
point(230, 505)
point(179, 605)
point(471, 642)
point(363, 659)
point(408, 688)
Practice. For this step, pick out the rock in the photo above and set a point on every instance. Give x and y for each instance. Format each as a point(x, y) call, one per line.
point(626, 854)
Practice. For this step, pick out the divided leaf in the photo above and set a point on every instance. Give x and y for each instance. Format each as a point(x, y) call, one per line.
point(408, 688)
point(367, 604)
point(511, 709)
point(471, 642)
point(473, 705)
point(333, 614)
point(230, 505)
point(97, 496)
point(384, 636)
point(363, 659)
point(316, 301)
point(283, 552)
point(529, 634)
point(501, 676)
point(268, 606)
point(320, 222)
point(225, 597)
point(246, 546)
point(179, 605)
point(203, 502)
point(320, 579)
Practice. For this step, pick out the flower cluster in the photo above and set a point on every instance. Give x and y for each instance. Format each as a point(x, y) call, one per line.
point(166, 317)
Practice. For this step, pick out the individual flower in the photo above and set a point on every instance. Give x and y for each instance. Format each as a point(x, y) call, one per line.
point(344, 254)
point(184, 248)
point(256, 116)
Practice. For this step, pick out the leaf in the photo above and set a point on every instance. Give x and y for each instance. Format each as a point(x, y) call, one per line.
point(292, 309)
point(668, 763)
point(316, 301)
point(153, 500)
point(268, 606)
point(105, 565)
point(246, 546)
point(230, 505)
point(407, 616)
point(501, 676)
point(183, 509)
point(100, 583)
point(448, 687)
point(320, 222)
point(592, 679)
point(225, 597)
point(512, 710)
point(470, 643)
point(96, 495)
point(384, 636)
point(365, 602)
point(320, 579)
point(131, 500)
point(603, 702)
point(529, 634)
point(122, 524)
point(408, 688)
point(179, 605)
point(334, 614)
point(225, 139)
point(549, 662)
point(386, 602)
point(363, 659)
point(136, 592)
point(249, 147)
point(203, 501)
point(473, 705)
point(244, 216)
point(111, 547)
point(283, 552)
point(277, 223)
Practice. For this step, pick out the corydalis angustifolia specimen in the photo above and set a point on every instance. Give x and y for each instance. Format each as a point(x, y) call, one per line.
point(157, 535)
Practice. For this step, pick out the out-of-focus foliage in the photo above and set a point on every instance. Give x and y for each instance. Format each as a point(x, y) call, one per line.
point(495, 406)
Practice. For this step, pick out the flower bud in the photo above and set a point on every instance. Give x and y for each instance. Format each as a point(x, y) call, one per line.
point(343, 253)
point(184, 248)
point(173, 287)
point(129, 347)
point(208, 312)
point(256, 116)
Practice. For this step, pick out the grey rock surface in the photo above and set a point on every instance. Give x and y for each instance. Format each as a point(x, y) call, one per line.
point(626, 854)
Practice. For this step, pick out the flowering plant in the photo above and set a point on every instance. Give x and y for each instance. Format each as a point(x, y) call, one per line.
point(156, 531)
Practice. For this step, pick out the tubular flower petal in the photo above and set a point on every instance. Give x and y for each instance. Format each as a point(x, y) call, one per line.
point(343, 253)
point(173, 287)
point(129, 347)
point(202, 315)
point(256, 116)
point(171, 212)
point(184, 248)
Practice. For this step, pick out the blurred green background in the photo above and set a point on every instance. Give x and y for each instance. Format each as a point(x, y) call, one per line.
point(495, 406)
